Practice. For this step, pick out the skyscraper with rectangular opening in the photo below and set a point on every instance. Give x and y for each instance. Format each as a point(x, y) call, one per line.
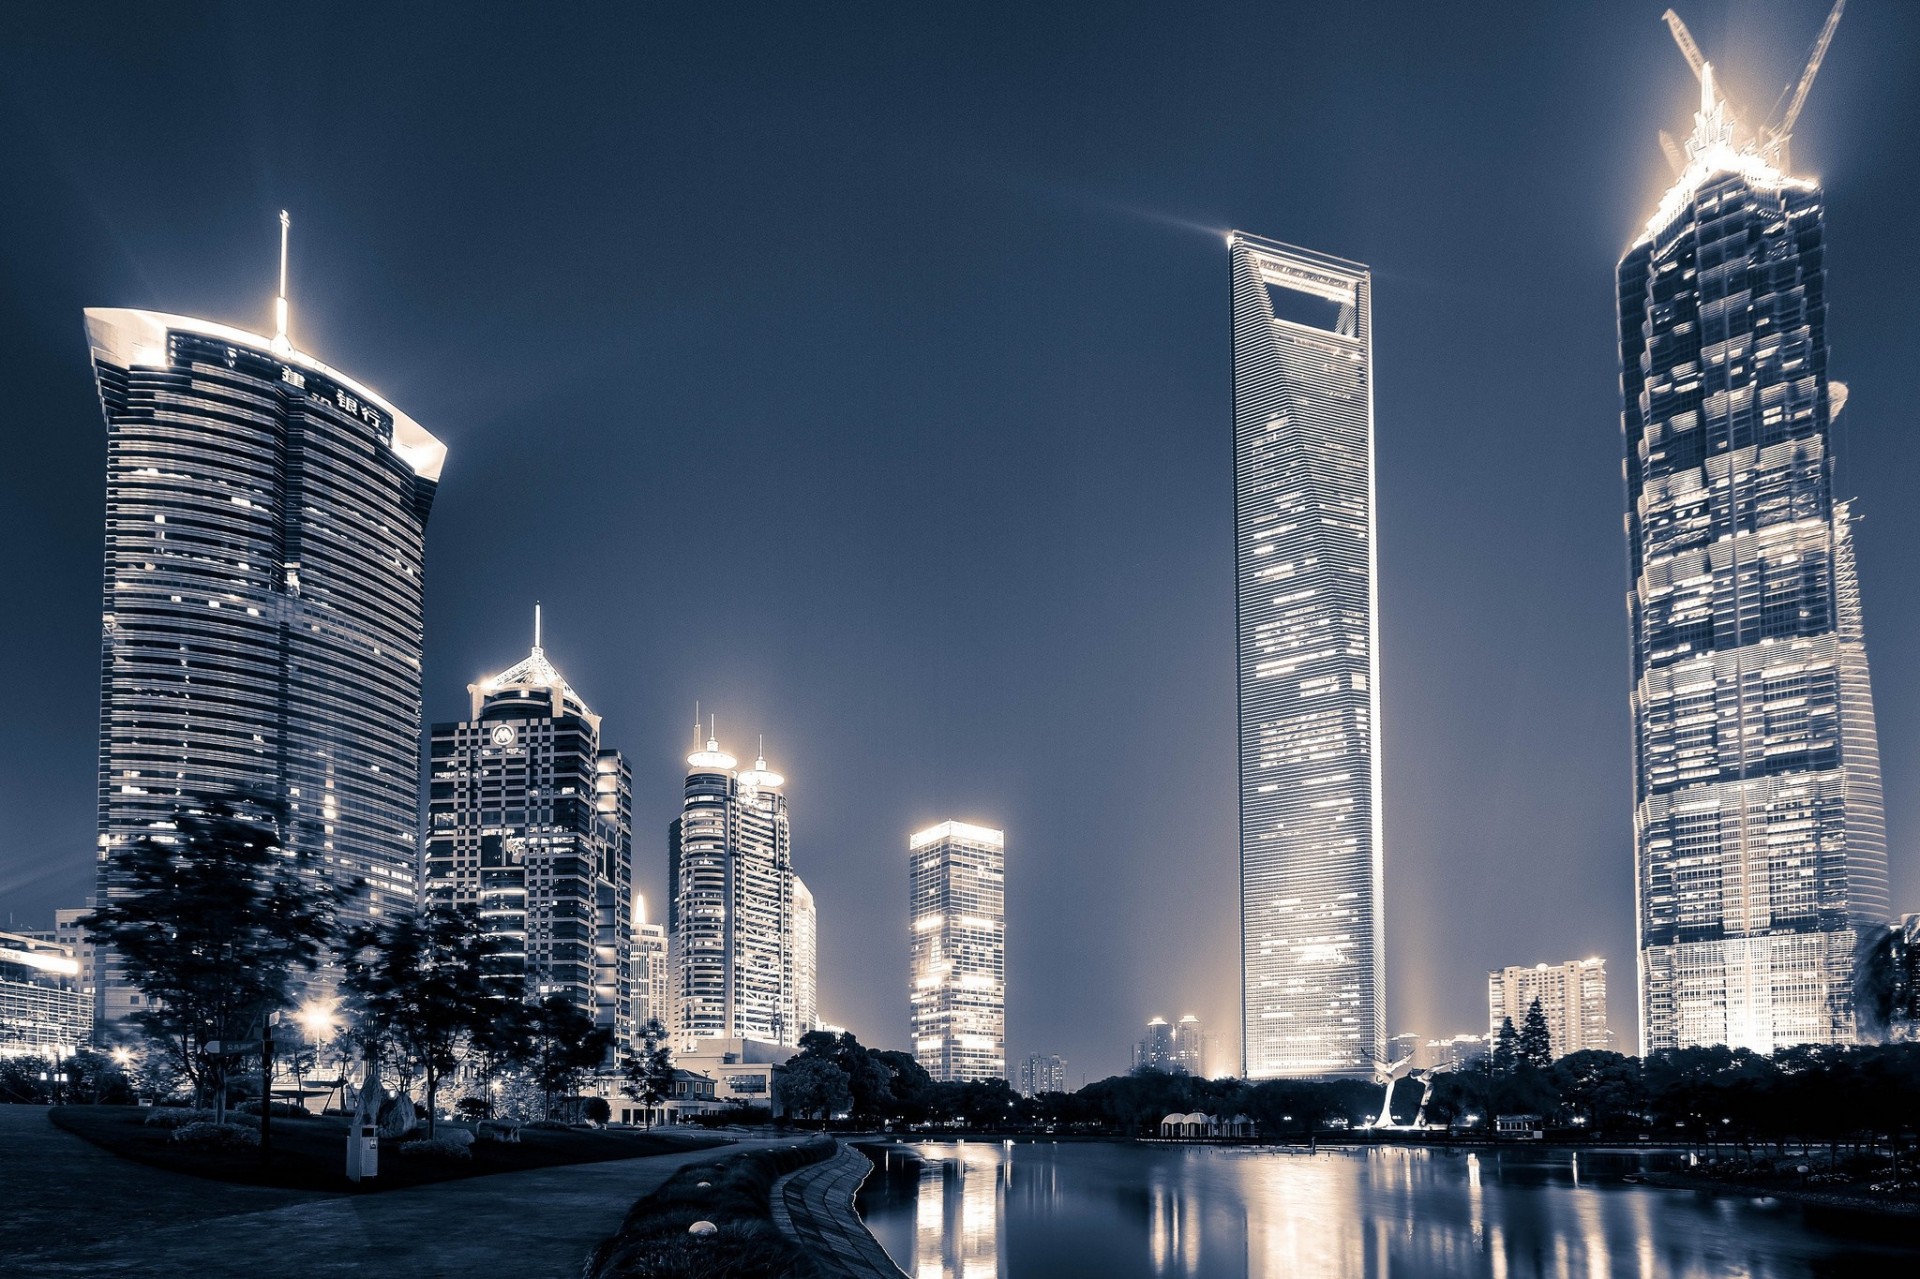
point(1759, 839)
point(1312, 959)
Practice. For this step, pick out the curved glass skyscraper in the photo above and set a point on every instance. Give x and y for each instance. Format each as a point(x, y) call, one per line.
point(261, 616)
point(1759, 840)
point(1313, 966)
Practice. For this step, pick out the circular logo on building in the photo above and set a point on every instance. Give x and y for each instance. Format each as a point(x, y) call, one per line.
point(503, 734)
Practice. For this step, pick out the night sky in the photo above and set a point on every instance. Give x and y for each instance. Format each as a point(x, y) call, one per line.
point(863, 374)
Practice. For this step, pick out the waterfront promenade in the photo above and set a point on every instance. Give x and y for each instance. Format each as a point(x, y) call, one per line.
point(75, 1210)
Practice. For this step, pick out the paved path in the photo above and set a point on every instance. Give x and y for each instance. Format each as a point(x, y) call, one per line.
point(814, 1206)
point(72, 1209)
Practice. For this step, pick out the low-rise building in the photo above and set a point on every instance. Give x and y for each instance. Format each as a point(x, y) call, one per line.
point(45, 1011)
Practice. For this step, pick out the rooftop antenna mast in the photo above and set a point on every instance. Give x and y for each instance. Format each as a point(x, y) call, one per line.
point(536, 625)
point(281, 343)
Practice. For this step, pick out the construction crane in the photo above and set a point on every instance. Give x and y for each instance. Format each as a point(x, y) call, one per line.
point(1776, 137)
point(1684, 38)
point(1773, 138)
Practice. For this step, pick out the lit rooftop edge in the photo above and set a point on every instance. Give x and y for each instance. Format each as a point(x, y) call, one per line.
point(959, 830)
point(129, 337)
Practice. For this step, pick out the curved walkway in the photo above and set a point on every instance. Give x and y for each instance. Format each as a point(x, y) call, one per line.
point(814, 1207)
point(73, 1209)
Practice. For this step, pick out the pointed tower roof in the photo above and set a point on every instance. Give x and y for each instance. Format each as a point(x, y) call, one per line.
point(533, 672)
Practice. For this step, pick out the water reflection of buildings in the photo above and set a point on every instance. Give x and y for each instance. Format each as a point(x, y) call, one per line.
point(957, 1212)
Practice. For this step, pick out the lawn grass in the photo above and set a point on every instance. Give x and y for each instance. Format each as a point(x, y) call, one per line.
point(311, 1154)
point(653, 1242)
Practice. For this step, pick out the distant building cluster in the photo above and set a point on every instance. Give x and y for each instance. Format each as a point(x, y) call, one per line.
point(1173, 1049)
point(1042, 1073)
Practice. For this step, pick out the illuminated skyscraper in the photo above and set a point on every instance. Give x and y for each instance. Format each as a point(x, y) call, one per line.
point(958, 997)
point(806, 970)
point(650, 971)
point(530, 823)
point(261, 622)
point(1760, 843)
point(730, 923)
point(1313, 971)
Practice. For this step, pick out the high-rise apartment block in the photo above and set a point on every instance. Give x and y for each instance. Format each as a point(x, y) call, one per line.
point(734, 966)
point(530, 823)
point(806, 928)
point(1155, 1049)
point(1042, 1073)
point(261, 623)
point(1573, 998)
point(650, 980)
point(1173, 1049)
point(1760, 844)
point(958, 993)
point(1190, 1047)
point(1312, 952)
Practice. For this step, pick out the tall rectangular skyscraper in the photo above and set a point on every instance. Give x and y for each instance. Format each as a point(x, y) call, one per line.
point(958, 911)
point(261, 623)
point(1313, 966)
point(1759, 840)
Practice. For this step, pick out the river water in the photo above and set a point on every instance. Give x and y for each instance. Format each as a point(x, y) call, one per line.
point(1036, 1210)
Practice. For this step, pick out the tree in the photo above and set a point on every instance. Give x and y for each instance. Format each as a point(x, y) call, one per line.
point(565, 1045)
point(812, 1086)
point(868, 1080)
point(1506, 1050)
point(421, 986)
point(1536, 1043)
point(649, 1071)
point(908, 1083)
point(211, 923)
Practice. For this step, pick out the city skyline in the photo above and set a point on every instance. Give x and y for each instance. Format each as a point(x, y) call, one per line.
point(1144, 774)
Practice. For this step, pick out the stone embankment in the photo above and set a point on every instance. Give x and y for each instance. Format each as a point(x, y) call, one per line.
point(814, 1207)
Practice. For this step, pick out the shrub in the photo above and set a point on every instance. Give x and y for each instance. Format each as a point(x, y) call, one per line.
point(211, 1136)
point(596, 1109)
point(176, 1117)
point(448, 1143)
point(653, 1240)
point(474, 1108)
point(281, 1109)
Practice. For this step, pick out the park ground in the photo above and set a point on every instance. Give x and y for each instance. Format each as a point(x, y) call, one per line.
point(73, 1208)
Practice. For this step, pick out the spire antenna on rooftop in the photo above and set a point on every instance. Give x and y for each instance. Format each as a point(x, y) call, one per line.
point(281, 343)
point(536, 626)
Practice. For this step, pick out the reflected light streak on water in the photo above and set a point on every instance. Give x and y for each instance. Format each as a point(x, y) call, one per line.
point(1118, 1211)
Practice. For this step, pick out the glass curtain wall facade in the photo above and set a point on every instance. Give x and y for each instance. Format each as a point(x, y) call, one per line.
point(261, 619)
point(957, 898)
point(1313, 968)
point(1760, 842)
point(530, 823)
point(730, 923)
